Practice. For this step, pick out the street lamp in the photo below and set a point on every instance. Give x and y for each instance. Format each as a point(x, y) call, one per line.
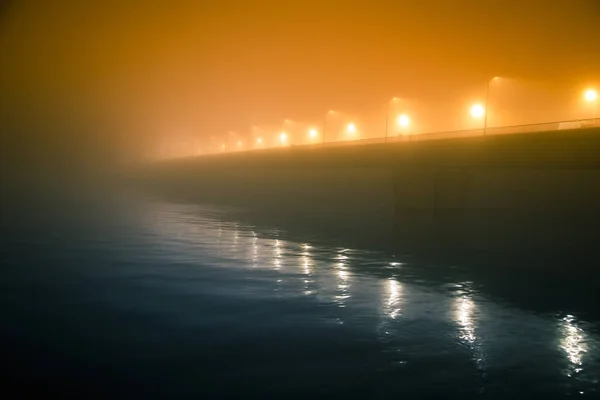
point(387, 117)
point(283, 138)
point(312, 133)
point(591, 96)
point(403, 121)
point(259, 140)
point(351, 128)
point(477, 111)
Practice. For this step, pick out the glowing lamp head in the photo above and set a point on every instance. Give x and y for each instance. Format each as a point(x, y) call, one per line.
point(259, 140)
point(477, 111)
point(403, 121)
point(590, 95)
point(312, 133)
point(351, 128)
point(283, 137)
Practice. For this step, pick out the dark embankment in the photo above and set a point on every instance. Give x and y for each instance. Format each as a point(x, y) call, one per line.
point(352, 204)
point(529, 195)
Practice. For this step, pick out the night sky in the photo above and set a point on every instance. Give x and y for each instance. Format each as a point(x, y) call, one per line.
point(103, 80)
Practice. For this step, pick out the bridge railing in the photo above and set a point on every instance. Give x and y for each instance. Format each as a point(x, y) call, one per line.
point(495, 130)
point(415, 137)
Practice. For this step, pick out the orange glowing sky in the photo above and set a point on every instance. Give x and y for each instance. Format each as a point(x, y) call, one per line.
point(145, 69)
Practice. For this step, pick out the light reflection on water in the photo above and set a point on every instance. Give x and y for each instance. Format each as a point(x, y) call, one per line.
point(343, 274)
point(254, 249)
point(393, 304)
point(306, 263)
point(573, 343)
point(386, 297)
point(277, 254)
point(467, 312)
point(464, 316)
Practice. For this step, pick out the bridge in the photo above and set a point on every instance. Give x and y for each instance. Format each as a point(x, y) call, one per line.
point(537, 189)
point(463, 133)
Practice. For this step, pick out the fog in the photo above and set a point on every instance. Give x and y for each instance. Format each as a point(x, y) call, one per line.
point(88, 86)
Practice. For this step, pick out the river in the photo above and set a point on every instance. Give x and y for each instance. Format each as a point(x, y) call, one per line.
point(146, 297)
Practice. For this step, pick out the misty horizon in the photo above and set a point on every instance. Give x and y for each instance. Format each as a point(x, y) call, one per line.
point(103, 82)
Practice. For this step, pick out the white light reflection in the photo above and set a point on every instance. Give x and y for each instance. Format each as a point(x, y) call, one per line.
point(395, 293)
point(220, 240)
point(306, 259)
point(394, 265)
point(236, 237)
point(277, 254)
point(391, 310)
point(466, 311)
point(464, 316)
point(343, 287)
point(307, 263)
point(254, 250)
point(573, 343)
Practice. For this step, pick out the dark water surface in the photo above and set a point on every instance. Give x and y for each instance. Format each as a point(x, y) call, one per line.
point(149, 298)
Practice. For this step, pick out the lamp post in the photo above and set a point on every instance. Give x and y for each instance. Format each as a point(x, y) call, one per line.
point(327, 114)
point(487, 100)
point(324, 129)
point(387, 118)
point(387, 122)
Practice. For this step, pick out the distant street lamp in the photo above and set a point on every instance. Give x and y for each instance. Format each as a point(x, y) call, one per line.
point(403, 121)
point(477, 111)
point(259, 140)
point(591, 96)
point(283, 138)
point(351, 128)
point(312, 133)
